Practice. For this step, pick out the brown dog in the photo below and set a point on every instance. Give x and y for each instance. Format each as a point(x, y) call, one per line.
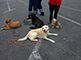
point(56, 24)
point(11, 24)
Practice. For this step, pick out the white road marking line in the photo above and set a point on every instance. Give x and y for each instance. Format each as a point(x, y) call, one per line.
point(71, 8)
point(23, 2)
point(35, 53)
point(69, 20)
point(9, 8)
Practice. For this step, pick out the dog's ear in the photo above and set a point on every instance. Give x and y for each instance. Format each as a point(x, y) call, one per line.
point(32, 15)
point(60, 26)
point(54, 20)
point(48, 27)
point(7, 20)
point(42, 28)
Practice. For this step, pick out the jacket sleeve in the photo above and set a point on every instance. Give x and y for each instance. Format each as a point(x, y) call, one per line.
point(49, 2)
point(59, 2)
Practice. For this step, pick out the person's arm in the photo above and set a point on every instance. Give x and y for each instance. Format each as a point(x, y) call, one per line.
point(49, 2)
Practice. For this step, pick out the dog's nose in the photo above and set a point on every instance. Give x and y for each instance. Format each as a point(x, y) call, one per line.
point(44, 30)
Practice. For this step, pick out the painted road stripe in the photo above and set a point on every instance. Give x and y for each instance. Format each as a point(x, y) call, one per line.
point(23, 2)
point(70, 20)
point(35, 53)
point(9, 8)
point(71, 8)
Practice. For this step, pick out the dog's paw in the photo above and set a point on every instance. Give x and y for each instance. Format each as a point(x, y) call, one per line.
point(53, 41)
point(35, 40)
point(56, 34)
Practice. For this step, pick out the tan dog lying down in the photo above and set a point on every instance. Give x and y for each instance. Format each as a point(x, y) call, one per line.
point(39, 33)
point(10, 24)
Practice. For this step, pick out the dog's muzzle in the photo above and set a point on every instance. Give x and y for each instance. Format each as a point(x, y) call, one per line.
point(45, 31)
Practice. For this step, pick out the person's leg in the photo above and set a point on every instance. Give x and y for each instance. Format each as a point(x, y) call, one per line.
point(40, 7)
point(35, 6)
point(30, 7)
point(56, 11)
point(51, 8)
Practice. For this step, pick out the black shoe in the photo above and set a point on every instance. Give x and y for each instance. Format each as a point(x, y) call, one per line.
point(42, 14)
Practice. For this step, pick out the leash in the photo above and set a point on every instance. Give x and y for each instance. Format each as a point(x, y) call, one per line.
point(17, 43)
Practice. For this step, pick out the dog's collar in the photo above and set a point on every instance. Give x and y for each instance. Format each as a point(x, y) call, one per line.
point(9, 21)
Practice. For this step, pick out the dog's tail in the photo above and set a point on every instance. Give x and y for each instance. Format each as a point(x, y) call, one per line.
point(22, 39)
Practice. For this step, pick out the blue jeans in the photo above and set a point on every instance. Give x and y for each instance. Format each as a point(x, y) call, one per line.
point(32, 5)
point(39, 6)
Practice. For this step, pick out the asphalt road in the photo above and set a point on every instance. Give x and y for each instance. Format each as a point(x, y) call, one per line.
point(70, 18)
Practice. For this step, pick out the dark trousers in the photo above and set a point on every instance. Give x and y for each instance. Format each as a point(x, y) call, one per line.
point(53, 9)
point(39, 6)
point(32, 5)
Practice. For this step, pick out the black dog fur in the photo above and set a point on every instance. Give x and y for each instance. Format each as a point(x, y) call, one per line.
point(38, 23)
